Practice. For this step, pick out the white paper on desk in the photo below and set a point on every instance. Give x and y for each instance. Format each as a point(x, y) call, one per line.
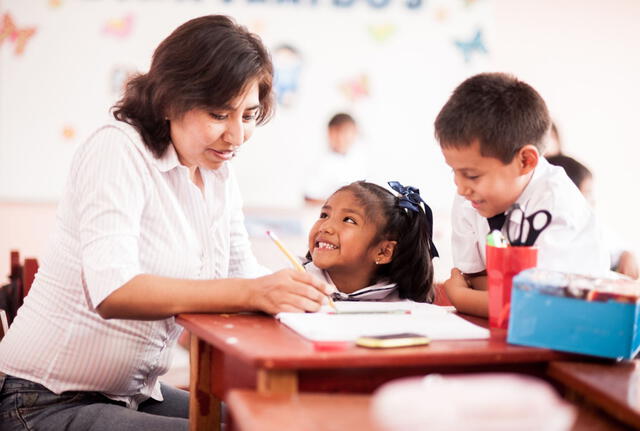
point(437, 323)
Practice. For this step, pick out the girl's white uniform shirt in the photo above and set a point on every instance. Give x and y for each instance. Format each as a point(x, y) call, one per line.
point(573, 242)
point(123, 213)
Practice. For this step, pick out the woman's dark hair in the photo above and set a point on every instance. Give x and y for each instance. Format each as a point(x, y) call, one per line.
point(411, 268)
point(204, 63)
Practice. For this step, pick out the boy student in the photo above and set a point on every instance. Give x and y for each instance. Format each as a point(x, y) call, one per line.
point(492, 132)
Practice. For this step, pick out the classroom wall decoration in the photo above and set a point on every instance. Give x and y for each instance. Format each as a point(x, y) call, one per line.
point(390, 63)
point(287, 64)
point(355, 88)
point(382, 32)
point(469, 47)
point(120, 27)
point(12, 34)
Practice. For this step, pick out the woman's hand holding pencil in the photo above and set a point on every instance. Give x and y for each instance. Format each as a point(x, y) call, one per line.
point(288, 290)
point(297, 265)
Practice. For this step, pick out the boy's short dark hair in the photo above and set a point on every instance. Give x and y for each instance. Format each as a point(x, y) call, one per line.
point(575, 170)
point(341, 118)
point(503, 113)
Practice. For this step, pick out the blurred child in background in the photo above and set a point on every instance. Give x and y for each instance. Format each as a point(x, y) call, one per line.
point(554, 143)
point(622, 261)
point(339, 164)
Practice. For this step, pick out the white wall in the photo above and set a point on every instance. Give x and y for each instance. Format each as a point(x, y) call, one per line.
point(580, 55)
point(65, 79)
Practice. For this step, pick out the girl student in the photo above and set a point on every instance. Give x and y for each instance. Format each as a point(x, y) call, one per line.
point(373, 245)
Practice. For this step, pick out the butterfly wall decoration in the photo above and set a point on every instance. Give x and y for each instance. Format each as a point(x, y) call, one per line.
point(11, 33)
point(471, 46)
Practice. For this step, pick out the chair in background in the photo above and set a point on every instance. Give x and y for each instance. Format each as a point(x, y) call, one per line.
point(4, 323)
point(20, 280)
point(29, 270)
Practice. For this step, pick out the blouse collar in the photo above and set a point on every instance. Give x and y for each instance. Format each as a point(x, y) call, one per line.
point(380, 291)
point(169, 160)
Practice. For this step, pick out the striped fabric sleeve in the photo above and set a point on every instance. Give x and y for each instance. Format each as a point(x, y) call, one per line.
point(109, 196)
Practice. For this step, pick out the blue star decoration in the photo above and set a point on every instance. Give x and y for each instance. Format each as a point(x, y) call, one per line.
point(468, 47)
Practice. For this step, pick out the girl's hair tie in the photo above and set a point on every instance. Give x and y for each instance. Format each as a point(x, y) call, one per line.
point(409, 199)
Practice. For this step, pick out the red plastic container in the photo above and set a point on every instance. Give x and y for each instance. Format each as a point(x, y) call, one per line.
point(503, 263)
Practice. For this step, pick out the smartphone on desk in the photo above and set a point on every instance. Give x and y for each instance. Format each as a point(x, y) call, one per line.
point(392, 340)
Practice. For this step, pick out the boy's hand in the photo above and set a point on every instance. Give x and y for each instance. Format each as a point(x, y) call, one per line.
point(455, 285)
point(628, 265)
point(466, 299)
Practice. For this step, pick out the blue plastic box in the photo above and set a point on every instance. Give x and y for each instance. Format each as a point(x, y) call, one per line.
point(558, 311)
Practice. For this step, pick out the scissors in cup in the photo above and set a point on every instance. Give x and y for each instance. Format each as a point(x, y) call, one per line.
point(524, 230)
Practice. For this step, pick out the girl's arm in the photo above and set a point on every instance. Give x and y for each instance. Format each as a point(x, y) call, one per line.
point(150, 297)
point(468, 300)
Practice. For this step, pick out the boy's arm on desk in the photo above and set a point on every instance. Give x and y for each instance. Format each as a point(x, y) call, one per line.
point(468, 294)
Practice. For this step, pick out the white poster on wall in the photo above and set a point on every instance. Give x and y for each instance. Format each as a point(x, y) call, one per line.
point(389, 63)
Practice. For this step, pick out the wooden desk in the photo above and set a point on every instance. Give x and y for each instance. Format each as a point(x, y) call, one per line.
point(331, 412)
point(307, 411)
point(614, 387)
point(257, 352)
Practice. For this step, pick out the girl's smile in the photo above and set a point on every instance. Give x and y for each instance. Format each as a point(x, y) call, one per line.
point(342, 235)
point(322, 245)
point(344, 242)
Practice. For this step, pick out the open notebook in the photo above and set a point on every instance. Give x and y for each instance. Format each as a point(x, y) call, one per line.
point(436, 322)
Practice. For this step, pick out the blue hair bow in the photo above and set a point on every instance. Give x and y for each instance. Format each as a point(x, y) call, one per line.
point(411, 200)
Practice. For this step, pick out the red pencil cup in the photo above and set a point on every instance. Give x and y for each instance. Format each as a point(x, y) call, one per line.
point(502, 264)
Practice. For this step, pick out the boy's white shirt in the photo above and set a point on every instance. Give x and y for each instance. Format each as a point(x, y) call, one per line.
point(616, 244)
point(573, 242)
point(382, 291)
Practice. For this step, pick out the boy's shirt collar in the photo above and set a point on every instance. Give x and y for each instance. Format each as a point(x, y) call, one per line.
point(382, 291)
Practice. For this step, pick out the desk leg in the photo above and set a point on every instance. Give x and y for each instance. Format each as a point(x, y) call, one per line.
point(277, 381)
point(204, 407)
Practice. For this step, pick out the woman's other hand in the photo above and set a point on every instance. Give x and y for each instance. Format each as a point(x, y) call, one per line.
point(288, 290)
